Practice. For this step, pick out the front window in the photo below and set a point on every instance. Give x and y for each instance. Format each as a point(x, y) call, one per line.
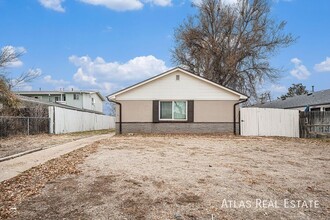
point(173, 110)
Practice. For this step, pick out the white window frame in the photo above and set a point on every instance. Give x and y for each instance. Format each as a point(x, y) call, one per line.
point(76, 96)
point(57, 97)
point(172, 119)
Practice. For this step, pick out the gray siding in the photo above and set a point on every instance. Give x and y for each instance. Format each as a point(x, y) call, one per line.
point(197, 128)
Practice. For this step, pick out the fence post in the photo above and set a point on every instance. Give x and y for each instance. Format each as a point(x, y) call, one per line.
point(28, 126)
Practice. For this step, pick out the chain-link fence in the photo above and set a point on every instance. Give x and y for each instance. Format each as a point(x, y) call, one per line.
point(10, 125)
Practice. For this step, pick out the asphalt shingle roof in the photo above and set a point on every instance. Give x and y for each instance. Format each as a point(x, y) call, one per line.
point(312, 99)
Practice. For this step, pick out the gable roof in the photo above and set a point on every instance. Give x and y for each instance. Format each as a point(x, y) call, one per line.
point(113, 95)
point(316, 98)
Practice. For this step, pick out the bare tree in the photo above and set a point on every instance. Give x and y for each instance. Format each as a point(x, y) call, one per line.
point(231, 44)
point(24, 77)
point(265, 97)
point(8, 56)
point(7, 98)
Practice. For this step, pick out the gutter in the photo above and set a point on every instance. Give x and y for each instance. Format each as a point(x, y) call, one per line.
point(235, 115)
point(120, 115)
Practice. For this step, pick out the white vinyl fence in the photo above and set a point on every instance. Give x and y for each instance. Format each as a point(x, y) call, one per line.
point(269, 122)
point(64, 120)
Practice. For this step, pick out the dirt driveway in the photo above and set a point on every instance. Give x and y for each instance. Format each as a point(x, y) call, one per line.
point(192, 177)
point(17, 144)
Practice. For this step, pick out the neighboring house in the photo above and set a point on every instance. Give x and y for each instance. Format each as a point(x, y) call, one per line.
point(34, 116)
point(316, 101)
point(28, 102)
point(176, 101)
point(80, 99)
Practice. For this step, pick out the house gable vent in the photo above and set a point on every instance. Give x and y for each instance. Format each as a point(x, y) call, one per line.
point(177, 77)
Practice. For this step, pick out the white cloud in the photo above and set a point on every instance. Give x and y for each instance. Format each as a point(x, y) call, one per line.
point(55, 82)
point(108, 76)
point(162, 3)
point(118, 5)
point(11, 50)
point(324, 66)
point(278, 88)
point(35, 72)
point(300, 71)
point(55, 5)
point(126, 5)
point(23, 84)
point(23, 87)
point(108, 29)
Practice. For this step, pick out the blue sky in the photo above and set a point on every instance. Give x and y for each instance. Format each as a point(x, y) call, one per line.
point(106, 45)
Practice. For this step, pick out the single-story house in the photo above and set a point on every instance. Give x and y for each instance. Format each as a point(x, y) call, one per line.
point(176, 101)
point(314, 101)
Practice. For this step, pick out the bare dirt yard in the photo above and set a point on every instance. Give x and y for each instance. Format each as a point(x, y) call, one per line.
point(17, 144)
point(191, 177)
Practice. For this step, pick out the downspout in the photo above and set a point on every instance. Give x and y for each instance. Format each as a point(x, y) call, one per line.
point(235, 115)
point(120, 121)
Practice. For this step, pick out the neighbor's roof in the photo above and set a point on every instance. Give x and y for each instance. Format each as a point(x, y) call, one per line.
point(40, 102)
point(316, 98)
point(58, 93)
point(112, 96)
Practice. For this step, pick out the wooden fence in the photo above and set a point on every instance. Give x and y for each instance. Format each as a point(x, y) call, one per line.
point(269, 122)
point(314, 124)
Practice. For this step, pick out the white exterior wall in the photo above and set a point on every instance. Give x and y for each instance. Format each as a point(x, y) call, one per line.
point(67, 120)
point(187, 88)
point(84, 101)
point(76, 103)
point(269, 122)
point(87, 102)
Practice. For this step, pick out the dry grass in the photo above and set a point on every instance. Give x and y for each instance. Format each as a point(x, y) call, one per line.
point(29, 183)
point(188, 177)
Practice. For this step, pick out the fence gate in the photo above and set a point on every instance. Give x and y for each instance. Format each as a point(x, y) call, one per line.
point(269, 122)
